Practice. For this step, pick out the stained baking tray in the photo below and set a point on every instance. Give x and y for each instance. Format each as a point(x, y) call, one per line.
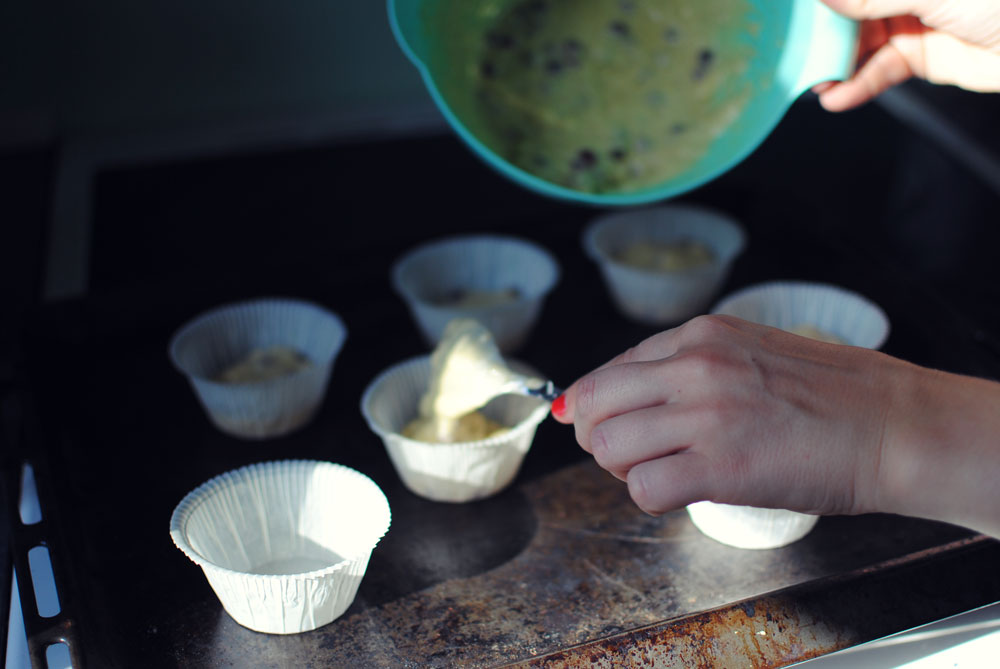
point(558, 570)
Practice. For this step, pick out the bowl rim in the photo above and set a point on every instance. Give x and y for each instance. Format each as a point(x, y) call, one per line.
point(404, 261)
point(195, 498)
point(202, 318)
point(531, 421)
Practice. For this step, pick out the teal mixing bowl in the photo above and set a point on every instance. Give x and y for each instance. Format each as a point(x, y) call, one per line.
point(795, 44)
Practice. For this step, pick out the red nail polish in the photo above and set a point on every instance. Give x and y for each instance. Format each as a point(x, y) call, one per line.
point(559, 406)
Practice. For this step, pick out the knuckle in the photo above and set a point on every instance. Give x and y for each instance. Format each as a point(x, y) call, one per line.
point(630, 355)
point(710, 365)
point(647, 349)
point(705, 326)
point(641, 492)
point(711, 420)
point(600, 447)
point(586, 395)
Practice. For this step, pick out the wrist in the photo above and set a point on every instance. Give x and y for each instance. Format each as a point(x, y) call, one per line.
point(940, 452)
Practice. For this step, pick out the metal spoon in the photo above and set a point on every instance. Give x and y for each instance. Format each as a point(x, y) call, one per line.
point(548, 391)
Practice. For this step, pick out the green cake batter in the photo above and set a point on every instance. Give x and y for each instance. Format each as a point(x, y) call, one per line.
point(610, 95)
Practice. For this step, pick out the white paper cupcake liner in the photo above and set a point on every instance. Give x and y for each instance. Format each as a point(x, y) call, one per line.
point(221, 337)
point(487, 263)
point(284, 545)
point(788, 304)
point(749, 527)
point(850, 317)
point(661, 298)
point(458, 472)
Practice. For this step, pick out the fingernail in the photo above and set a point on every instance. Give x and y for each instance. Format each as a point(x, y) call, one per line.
point(559, 406)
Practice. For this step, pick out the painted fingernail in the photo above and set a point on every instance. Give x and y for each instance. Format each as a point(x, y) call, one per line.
point(559, 406)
